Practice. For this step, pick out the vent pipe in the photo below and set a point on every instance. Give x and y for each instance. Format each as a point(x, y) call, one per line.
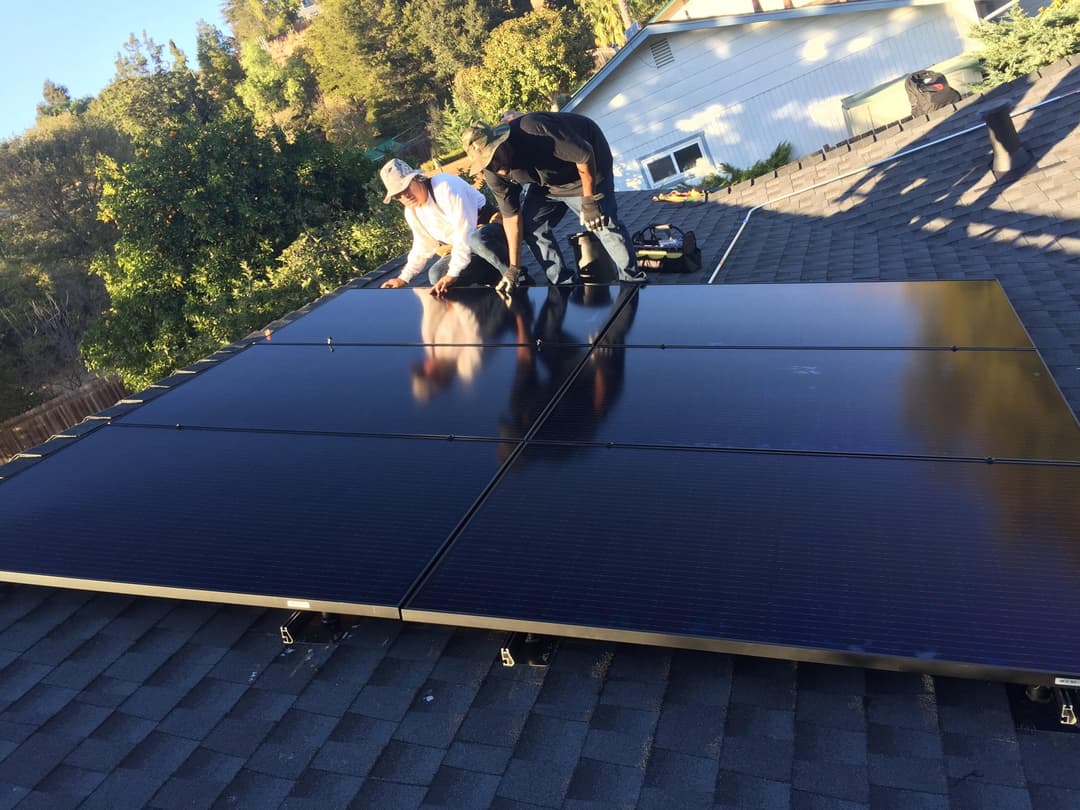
point(1010, 155)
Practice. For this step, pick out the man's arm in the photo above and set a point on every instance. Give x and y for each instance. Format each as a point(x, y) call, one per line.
point(423, 248)
point(591, 216)
point(588, 181)
point(512, 229)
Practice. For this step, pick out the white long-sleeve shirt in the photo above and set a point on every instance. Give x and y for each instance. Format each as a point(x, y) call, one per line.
point(448, 217)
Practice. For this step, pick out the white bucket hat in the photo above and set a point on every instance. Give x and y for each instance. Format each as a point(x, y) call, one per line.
point(396, 176)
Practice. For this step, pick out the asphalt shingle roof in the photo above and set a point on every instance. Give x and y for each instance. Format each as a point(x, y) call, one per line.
point(115, 701)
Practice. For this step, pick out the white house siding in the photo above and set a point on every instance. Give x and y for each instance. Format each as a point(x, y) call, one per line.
point(745, 88)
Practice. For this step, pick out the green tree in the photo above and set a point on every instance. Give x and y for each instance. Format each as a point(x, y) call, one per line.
point(364, 59)
point(219, 68)
point(260, 19)
point(202, 218)
point(451, 34)
point(446, 123)
point(150, 96)
point(610, 19)
point(49, 189)
point(528, 64)
point(57, 101)
point(277, 94)
point(1017, 44)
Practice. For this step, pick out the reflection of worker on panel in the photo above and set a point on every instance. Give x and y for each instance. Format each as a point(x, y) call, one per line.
point(540, 374)
point(458, 331)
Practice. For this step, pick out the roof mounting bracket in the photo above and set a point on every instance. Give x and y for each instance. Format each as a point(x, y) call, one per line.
point(536, 651)
point(1065, 700)
point(306, 627)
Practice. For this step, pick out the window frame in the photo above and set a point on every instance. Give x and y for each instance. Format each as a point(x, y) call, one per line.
point(669, 152)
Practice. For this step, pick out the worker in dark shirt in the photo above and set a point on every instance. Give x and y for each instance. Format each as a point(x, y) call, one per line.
point(567, 163)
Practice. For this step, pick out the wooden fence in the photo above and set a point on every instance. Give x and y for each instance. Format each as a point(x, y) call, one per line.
point(35, 426)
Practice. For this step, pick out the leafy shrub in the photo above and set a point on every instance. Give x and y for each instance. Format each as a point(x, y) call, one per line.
point(1017, 44)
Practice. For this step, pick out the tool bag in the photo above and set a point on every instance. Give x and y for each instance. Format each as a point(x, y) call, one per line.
point(666, 248)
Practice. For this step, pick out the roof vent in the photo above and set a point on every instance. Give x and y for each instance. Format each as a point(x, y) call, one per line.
point(1010, 155)
point(661, 52)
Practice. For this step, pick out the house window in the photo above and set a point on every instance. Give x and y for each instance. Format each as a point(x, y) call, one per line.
point(673, 163)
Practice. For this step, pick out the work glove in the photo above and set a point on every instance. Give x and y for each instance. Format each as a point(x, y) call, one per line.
point(509, 281)
point(591, 216)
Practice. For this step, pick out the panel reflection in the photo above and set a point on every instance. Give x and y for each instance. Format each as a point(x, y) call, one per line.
point(487, 367)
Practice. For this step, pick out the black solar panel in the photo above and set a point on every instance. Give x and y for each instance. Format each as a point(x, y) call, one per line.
point(911, 314)
point(492, 391)
point(467, 315)
point(910, 402)
point(314, 518)
point(971, 563)
point(802, 470)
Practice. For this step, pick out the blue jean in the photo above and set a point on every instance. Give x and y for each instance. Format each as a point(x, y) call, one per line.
point(540, 213)
point(480, 270)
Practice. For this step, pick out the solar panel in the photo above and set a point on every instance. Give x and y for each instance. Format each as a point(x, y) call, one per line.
point(905, 314)
point(911, 402)
point(467, 315)
point(802, 471)
point(470, 390)
point(928, 561)
point(259, 518)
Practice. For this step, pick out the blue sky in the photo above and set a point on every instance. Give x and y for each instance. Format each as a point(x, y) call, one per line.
point(75, 43)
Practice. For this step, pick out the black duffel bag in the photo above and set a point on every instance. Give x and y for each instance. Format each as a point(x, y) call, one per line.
point(666, 248)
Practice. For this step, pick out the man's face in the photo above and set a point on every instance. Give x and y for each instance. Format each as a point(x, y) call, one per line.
point(414, 194)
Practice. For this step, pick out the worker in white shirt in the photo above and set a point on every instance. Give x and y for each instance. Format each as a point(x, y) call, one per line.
point(441, 210)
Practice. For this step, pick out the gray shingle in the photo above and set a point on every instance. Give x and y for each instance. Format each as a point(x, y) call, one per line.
point(377, 794)
point(354, 745)
point(694, 730)
point(187, 794)
point(158, 754)
point(202, 708)
point(291, 744)
point(836, 780)
point(463, 789)
point(736, 790)
point(605, 784)
point(74, 784)
point(758, 756)
point(253, 789)
point(122, 789)
point(826, 743)
point(320, 789)
point(754, 721)
point(908, 773)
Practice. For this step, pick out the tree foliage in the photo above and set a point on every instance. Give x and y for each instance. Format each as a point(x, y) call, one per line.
point(279, 94)
point(362, 53)
point(149, 94)
point(49, 190)
point(220, 71)
point(1017, 44)
point(43, 315)
point(56, 100)
point(451, 35)
point(202, 216)
point(260, 19)
point(528, 63)
point(609, 19)
point(780, 156)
